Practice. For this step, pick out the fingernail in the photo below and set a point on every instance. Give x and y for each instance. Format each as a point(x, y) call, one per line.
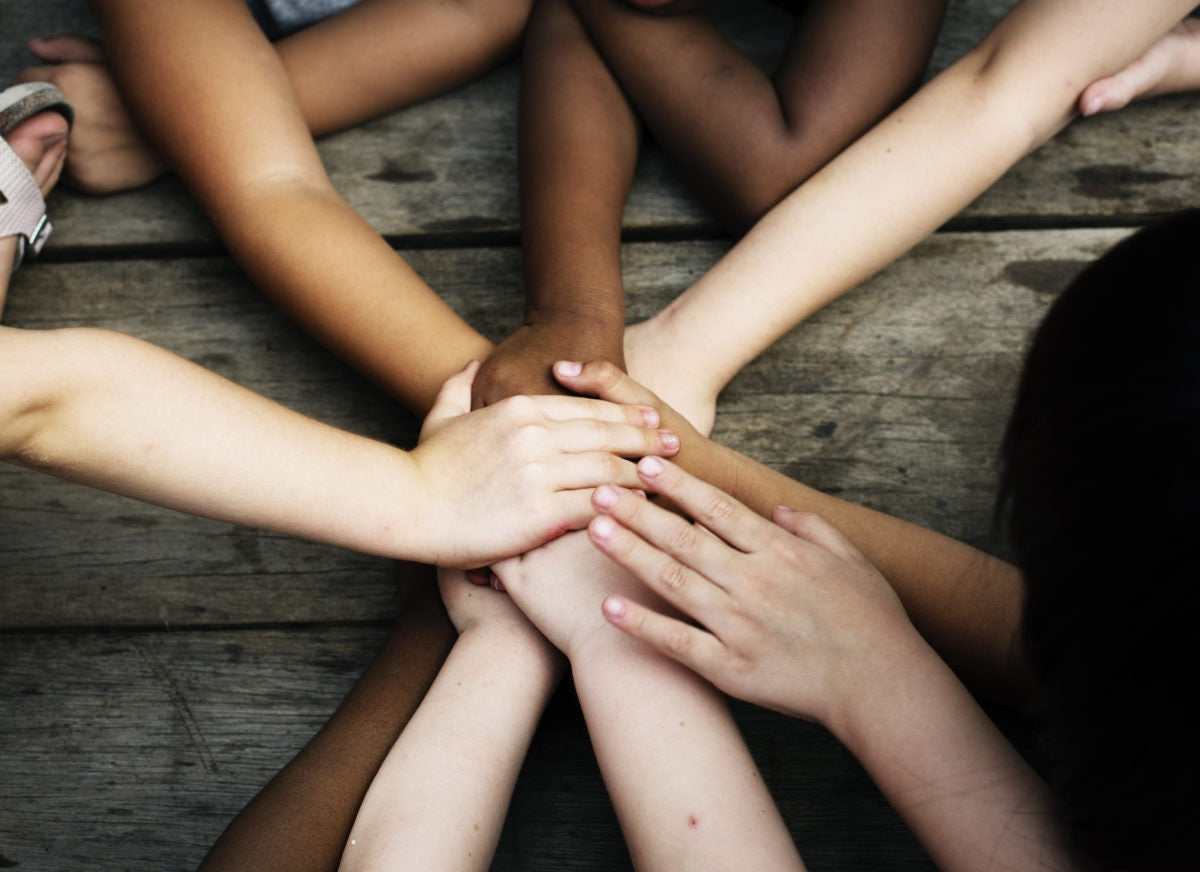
point(613, 608)
point(603, 528)
point(605, 496)
point(650, 416)
point(650, 467)
point(1092, 106)
point(670, 441)
point(568, 367)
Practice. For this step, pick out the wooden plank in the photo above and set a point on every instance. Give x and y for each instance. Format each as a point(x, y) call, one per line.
point(132, 751)
point(894, 397)
point(447, 168)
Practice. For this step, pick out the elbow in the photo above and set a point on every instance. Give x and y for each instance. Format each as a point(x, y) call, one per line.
point(1035, 100)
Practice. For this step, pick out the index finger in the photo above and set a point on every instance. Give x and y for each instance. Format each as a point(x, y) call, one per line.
point(710, 507)
point(557, 407)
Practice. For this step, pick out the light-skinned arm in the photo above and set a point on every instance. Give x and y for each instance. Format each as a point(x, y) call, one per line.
point(119, 414)
point(793, 617)
point(897, 184)
point(685, 789)
point(439, 800)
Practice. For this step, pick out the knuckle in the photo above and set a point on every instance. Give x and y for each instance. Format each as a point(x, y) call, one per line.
point(718, 507)
point(678, 641)
point(671, 576)
point(520, 407)
point(681, 537)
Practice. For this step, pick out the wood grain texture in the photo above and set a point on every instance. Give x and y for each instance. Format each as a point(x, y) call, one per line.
point(132, 751)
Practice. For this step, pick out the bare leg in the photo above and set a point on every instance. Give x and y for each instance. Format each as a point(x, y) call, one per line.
point(369, 59)
point(745, 139)
point(1170, 65)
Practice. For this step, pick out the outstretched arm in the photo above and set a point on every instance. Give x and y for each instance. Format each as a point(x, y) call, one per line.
point(440, 797)
point(795, 618)
point(578, 149)
point(119, 414)
point(212, 94)
point(685, 788)
point(745, 139)
point(905, 177)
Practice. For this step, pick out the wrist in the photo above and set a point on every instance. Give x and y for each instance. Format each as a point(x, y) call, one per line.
point(589, 324)
point(514, 649)
point(875, 694)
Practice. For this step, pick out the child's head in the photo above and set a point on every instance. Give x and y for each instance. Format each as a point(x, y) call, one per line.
point(1101, 485)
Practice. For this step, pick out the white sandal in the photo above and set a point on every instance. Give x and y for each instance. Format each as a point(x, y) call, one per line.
point(22, 209)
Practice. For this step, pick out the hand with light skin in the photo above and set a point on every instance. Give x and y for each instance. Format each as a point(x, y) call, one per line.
point(965, 602)
point(524, 464)
point(793, 617)
point(440, 798)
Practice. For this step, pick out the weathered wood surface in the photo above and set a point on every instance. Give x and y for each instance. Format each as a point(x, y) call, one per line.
point(133, 751)
point(156, 669)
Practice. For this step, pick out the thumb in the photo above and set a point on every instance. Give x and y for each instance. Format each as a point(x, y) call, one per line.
point(67, 48)
point(453, 400)
point(604, 380)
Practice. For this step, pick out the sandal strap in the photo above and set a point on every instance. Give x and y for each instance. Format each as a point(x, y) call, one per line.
point(22, 209)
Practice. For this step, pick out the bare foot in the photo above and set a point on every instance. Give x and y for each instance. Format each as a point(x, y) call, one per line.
point(108, 151)
point(42, 143)
point(1170, 65)
point(649, 361)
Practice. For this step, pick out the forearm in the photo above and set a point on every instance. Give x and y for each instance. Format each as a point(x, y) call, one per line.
point(968, 796)
point(211, 93)
point(909, 174)
point(685, 788)
point(118, 414)
point(579, 144)
point(440, 798)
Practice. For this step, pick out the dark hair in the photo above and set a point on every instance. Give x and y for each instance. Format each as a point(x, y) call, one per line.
point(1100, 492)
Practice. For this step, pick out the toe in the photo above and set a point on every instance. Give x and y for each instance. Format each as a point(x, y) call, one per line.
point(42, 143)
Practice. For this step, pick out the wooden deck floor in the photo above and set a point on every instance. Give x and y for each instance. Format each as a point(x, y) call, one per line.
point(156, 670)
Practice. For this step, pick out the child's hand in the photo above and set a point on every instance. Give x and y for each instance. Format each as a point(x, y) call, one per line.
point(108, 152)
point(608, 382)
point(522, 363)
point(504, 479)
point(560, 587)
point(793, 616)
point(472, 606)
